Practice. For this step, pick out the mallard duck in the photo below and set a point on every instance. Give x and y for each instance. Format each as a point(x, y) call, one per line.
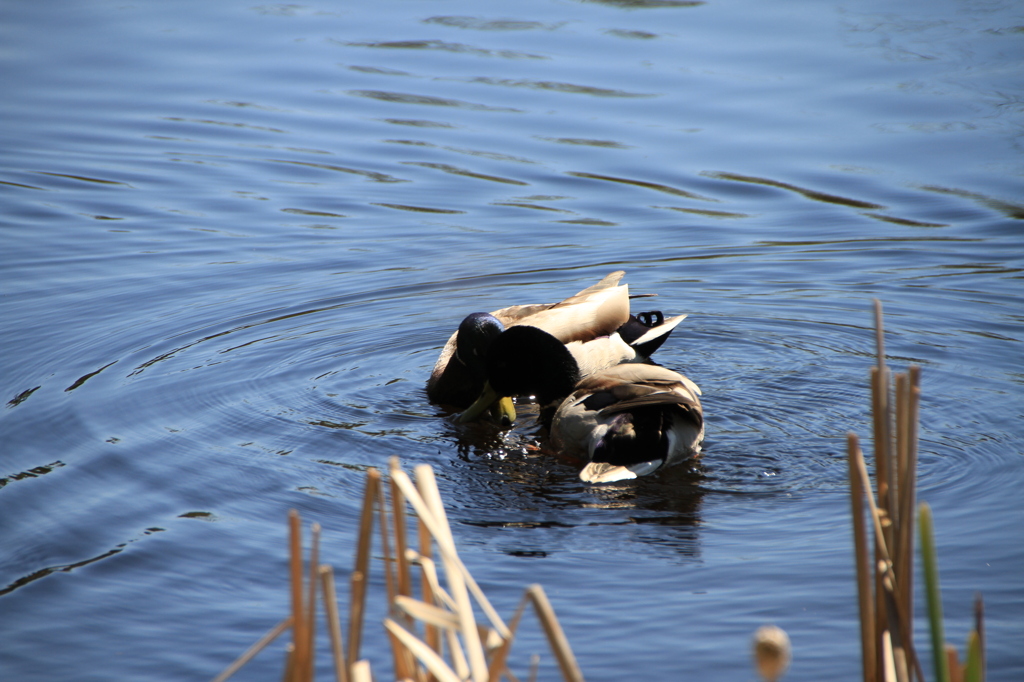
point(595, 324)
point(625, 421)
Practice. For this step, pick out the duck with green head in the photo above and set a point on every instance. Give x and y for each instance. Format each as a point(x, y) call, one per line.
point(595, 324)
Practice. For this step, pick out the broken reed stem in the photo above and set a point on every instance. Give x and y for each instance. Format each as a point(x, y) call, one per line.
point(432, 514)
point(431, 634)
point(434, 663)
point(454, 570)
point(888, 658)
point(401, 539)
point(879, 402)
point(361, 672)
point(259, 646)
point(314, 564)
point(401, 672)
point(534, 667)
point(402, 560)
point(910, 400)
point(362, 566)
point(861, 554)
point(299, 623)
point(405, 665)
point(556, 637)
point(883, 425)
point(500, 656)
point(882, 420)
point(289, 661)
point(899, 455)
point(385, 543)
point(457, 653)
point(333, 622)
point(979, 627)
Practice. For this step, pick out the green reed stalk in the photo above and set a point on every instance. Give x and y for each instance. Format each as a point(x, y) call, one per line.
point(931, 582)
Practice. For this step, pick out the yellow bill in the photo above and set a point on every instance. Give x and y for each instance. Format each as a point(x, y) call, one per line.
point(501, 407)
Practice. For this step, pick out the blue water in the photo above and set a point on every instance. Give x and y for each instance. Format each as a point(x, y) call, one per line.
point(234, 237)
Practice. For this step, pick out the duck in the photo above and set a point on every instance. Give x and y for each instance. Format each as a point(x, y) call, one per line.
point(624, 421)
point(595, 323)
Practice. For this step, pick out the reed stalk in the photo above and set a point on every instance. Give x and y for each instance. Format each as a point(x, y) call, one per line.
point(455, 647)
point(907, 476)
point(289, 661)
point(334, 623)
point(979, 639)
point(434, 663)
point(310, 632)
point(251, 652)
point(456, 573)
point(885, 592)
point(357, 595)
point(401, 536)
point(973, 667)
point(431, 634)
point(863, 563)
point(560, 645)
point(299, 623)
point(441, 534)
point(385, 543)
point(498, 660)
point(403, 668)
point(361, 672)
point(934, 597)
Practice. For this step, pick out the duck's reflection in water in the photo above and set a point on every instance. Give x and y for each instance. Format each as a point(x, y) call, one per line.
point(510, 480)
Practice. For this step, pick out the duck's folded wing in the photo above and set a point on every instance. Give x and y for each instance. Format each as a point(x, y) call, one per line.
point(636, 373)
point(513, 313)
point(689, 404)
point(597, 314)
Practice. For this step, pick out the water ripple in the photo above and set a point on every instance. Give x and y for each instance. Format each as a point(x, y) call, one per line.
point(369, 175)
point(427, 100)
point(477, 24)
point(658, 187)
point(816, 195)
point(444, 46)
point(569, 88)
point(455, 170)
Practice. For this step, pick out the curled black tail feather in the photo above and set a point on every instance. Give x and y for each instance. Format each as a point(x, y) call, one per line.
point(638, 325)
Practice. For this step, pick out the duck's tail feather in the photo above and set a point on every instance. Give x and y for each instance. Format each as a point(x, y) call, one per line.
point(646, 331)
point(603, 472)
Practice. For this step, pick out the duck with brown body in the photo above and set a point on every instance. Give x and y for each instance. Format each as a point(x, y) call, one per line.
point(595, 324)
point(624, 421)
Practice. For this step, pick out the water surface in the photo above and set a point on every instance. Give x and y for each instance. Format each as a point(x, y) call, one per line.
point(235, 237)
